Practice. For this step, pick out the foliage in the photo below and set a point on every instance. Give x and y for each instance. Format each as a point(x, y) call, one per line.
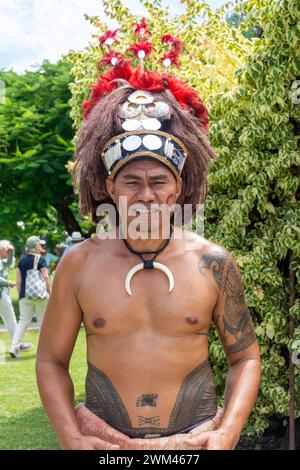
point(211, 55)
point(253, 203)
point(236, 18)
point(35, 145)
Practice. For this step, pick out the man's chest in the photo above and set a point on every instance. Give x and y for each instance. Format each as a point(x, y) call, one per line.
point(109, 309)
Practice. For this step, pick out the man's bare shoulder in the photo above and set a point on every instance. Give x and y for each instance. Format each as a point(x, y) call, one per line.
point(78, 254)
point(205, 246)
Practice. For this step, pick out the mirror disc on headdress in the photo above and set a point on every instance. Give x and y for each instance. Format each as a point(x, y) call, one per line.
point(159, 109)
point(131, 125)
point(129, 110)
point(141, 97)
point(151, 124)
point(152, 142)
point(132, 143)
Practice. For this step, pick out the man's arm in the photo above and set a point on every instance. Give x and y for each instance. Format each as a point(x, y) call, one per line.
point(5, 282)
point(18, 280)
point(234, 325)
point(57, 339)
point(8, 263)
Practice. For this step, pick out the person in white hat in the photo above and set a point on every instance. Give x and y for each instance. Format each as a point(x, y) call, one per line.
point(33, 295)
point(76, 238)
point(7, 312)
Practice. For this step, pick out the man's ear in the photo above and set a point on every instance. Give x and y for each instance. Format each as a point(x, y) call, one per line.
point(178, 187)
point(110, 187)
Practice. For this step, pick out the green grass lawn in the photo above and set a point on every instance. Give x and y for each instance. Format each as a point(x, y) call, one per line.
point(23, 422)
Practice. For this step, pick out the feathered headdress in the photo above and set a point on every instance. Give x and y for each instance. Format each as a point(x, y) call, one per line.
point(142, 115)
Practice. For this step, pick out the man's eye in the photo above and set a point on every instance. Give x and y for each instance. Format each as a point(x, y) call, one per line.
point(131, 182)
point(159, 182)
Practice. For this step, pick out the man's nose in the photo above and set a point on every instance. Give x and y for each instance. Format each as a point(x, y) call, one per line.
point(146, 194)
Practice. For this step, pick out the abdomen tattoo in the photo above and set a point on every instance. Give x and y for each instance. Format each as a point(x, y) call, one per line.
point(196, 402)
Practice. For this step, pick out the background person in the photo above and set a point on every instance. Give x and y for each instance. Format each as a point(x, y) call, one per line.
point(75, 238)
point(30, 306)
point(51, 258)
point(7, 313)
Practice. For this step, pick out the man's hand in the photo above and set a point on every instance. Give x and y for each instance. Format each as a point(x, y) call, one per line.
point(220, 439)
point(90, 425)
point(176, 441)
point(82, 442)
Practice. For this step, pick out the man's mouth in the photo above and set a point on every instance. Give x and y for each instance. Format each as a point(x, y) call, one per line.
point(145, 212)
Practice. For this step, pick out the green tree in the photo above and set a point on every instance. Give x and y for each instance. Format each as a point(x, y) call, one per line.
point(253, 205)
point(35, 145)
point(236, 19)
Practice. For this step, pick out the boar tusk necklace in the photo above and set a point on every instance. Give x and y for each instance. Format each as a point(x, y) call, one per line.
point(148, 264)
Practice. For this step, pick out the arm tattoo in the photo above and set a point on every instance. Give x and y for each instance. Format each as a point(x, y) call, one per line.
point(236, 330)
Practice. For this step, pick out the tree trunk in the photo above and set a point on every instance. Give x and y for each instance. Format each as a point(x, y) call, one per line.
point(67, 217)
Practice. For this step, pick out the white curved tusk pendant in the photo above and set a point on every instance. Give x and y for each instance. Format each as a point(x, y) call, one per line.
point(141, 266)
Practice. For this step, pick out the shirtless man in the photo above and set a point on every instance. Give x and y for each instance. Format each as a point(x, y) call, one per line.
point(149, 383)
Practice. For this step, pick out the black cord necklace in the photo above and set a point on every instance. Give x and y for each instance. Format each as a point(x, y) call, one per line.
point(149, 264)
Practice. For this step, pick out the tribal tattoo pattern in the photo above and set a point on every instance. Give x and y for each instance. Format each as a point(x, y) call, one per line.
point(154, 420)
point(147, 399)
point(234, 324)
point(196, 402)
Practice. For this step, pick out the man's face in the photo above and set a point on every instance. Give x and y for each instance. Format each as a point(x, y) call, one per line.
point(145, 185)
point(38, 248)
point(4, 253)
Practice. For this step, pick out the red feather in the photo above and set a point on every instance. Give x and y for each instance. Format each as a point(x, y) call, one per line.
point(176, 43)
point(142, 28)
point(185, 95)
point(141, 46)
point(122, 69)
point(107, 59)
point(109, 34)
point(147, 81)
point(188, 99)
point(173, 56)
point(106, 84)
